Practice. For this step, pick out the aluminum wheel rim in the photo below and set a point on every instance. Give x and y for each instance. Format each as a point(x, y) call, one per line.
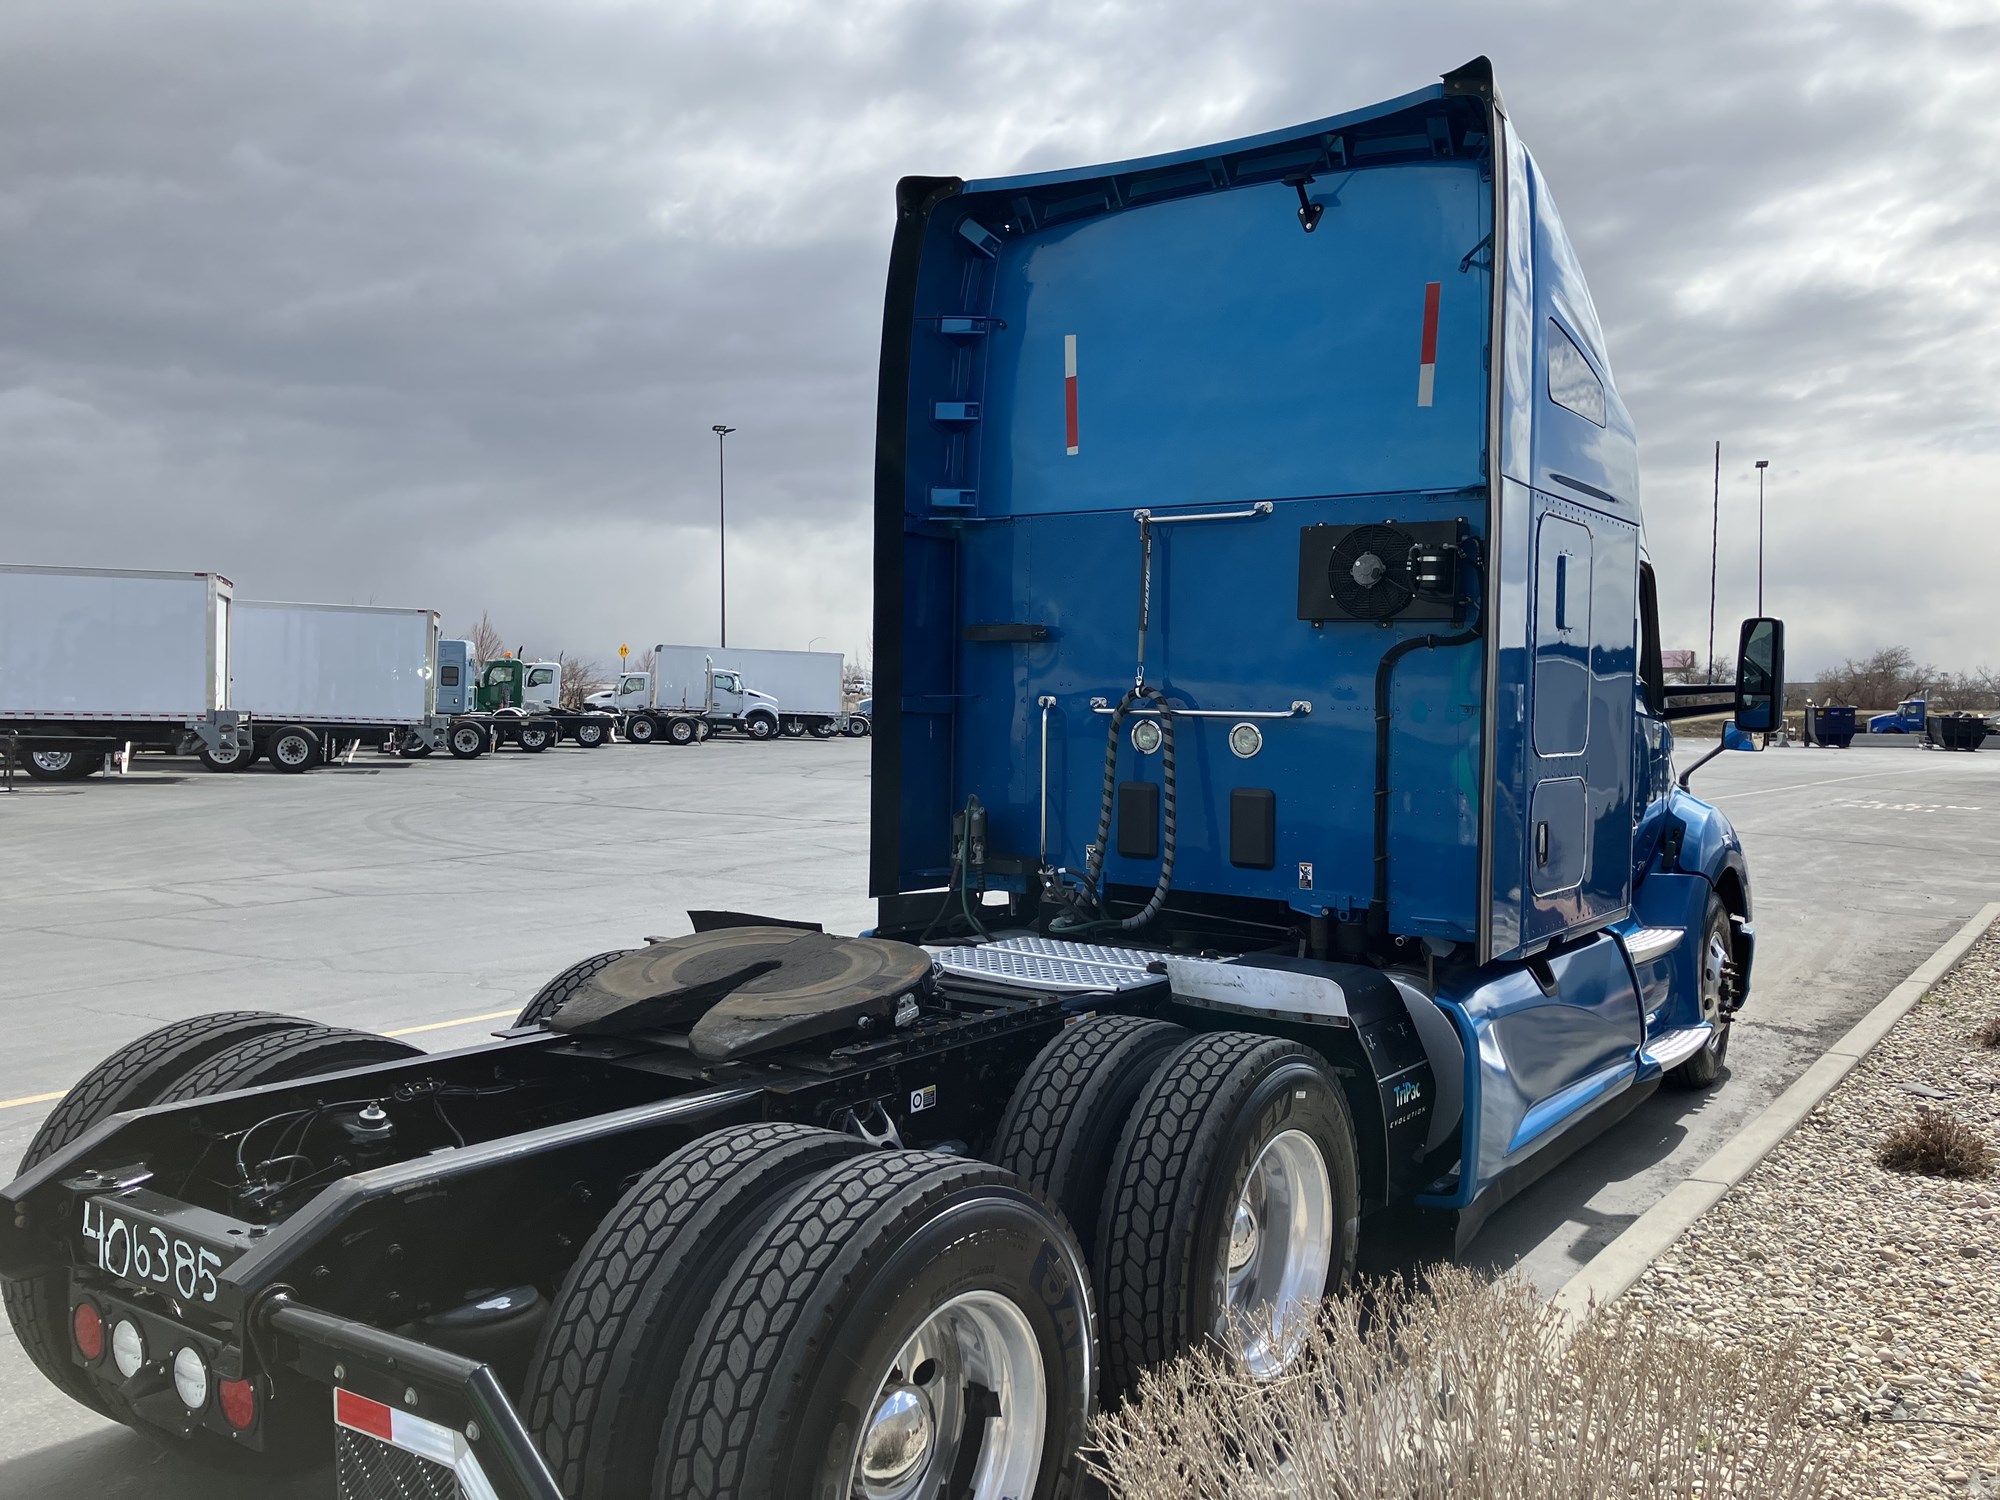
point(918, 1426)
point(52, 760)
point(466, 739)
point(1276, 1253)
point(292, 749)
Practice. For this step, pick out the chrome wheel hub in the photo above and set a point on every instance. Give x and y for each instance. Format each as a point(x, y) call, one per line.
point(1243, 1237)
point(969, 1378)
point(899, 1439)
point(1279, 1252)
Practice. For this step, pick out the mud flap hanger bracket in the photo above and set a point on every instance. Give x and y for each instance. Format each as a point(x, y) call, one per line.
point(458, 1413)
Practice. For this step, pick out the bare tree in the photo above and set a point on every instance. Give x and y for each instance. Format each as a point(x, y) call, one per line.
point(1878, 681)
point(646, 661)
point(487, 642)
point(578, 677)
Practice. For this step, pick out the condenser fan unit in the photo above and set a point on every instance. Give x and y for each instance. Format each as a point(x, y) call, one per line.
point(1382, 570)
point(1368, 573)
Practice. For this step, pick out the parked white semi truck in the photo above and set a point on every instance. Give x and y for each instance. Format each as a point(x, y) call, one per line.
point(315, 677)
point(762, 694)
point(97, 661)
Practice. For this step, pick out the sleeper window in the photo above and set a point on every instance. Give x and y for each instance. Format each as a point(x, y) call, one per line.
point(1572, 383)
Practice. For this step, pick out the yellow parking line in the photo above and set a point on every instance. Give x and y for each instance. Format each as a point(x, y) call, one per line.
point(32, 1099)
point(491, 1015)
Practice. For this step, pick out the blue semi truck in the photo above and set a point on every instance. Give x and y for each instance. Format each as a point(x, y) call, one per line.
point(1274, 825)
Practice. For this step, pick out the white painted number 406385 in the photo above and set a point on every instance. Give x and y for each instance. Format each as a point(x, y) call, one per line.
point(147, 1253)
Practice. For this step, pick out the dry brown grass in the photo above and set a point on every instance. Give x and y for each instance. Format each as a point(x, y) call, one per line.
point(1935, 1145)
point(1987, 1032)
point(1469, 1389)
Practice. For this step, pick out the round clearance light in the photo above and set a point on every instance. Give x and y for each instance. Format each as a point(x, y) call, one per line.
point(1146, 736)
point(128, 1347)
point(191, 1379)
point(1245, 740)
point(88, 1325)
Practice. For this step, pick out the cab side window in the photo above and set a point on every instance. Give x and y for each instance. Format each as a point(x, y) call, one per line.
point(541, 677)
point(1652, 670)
point(448, 676)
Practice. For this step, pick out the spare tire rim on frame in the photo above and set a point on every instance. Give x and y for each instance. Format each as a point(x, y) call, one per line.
point(1278, 1253)
point(920, 1419)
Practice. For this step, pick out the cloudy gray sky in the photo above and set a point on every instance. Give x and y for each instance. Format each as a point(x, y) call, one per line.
point(434, 303)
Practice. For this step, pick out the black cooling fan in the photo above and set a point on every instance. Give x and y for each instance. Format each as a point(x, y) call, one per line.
point(1380, 571)
point(1368, 573)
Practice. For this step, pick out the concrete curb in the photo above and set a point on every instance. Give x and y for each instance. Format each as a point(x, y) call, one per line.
point(1611, 1272)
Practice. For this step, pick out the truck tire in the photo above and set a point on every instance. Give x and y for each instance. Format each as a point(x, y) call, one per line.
point(466, 741)
point(234, 756)
point(821, 730)
point(683, 732)
point(641, 730)
point(604, 1377)
point(1718, 980)
point(761, 726)
point(795, 729)
point(1062, 1124)
point(857, 727)
point(897, 1284)
point(703, 731)
point(590, 736)
point(294, 749)
point(552, 996)
point(1236, 1133)
point(132, 1077)
point(61, 765)
point(534, 738)
point(415, 749)
point(285, 1057)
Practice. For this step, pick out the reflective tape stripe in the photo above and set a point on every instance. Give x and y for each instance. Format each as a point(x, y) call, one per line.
point(1427, 358)
point(1069, 390)
point(414, 1434)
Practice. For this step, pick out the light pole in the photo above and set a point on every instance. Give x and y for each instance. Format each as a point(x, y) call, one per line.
point(1762, 465)
point(722, 529)
point(1714, 536)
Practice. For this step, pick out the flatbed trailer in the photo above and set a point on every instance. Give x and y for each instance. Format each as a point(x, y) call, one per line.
point(1178, 991)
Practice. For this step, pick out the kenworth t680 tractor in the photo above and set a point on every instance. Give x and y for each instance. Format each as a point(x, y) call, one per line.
point(1274, 824)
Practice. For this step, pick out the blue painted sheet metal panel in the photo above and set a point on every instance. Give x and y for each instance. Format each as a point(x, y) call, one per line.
point(1219, 354)
point(1225, 636)
point(1540, 1058)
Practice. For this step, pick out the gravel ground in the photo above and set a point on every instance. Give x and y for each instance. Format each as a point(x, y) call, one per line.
point(1887, 1285)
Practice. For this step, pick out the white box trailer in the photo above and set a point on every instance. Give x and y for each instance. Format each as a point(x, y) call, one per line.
point(759, 693)
point(94, 660)
point(313, 677)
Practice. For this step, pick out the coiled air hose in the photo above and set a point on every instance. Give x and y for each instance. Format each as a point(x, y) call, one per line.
point(1079, 915)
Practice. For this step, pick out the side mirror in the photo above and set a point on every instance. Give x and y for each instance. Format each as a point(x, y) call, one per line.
point(1760, 676)
point(1737, 739)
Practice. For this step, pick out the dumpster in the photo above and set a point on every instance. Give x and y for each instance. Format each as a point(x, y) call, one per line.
point(1956, 731)
point(1830, 726)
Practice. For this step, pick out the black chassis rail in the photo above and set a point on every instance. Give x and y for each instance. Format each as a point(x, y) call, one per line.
point(318, 1291)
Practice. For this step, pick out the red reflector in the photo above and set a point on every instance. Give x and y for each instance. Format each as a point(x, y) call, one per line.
point(238, 1399)
point(89, 1329)
point(363, 1415)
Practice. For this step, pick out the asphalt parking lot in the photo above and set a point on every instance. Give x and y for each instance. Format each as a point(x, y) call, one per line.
point(432, 898)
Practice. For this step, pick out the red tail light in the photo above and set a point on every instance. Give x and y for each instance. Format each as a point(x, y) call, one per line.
point(88, 1326)
point(238, 1400)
